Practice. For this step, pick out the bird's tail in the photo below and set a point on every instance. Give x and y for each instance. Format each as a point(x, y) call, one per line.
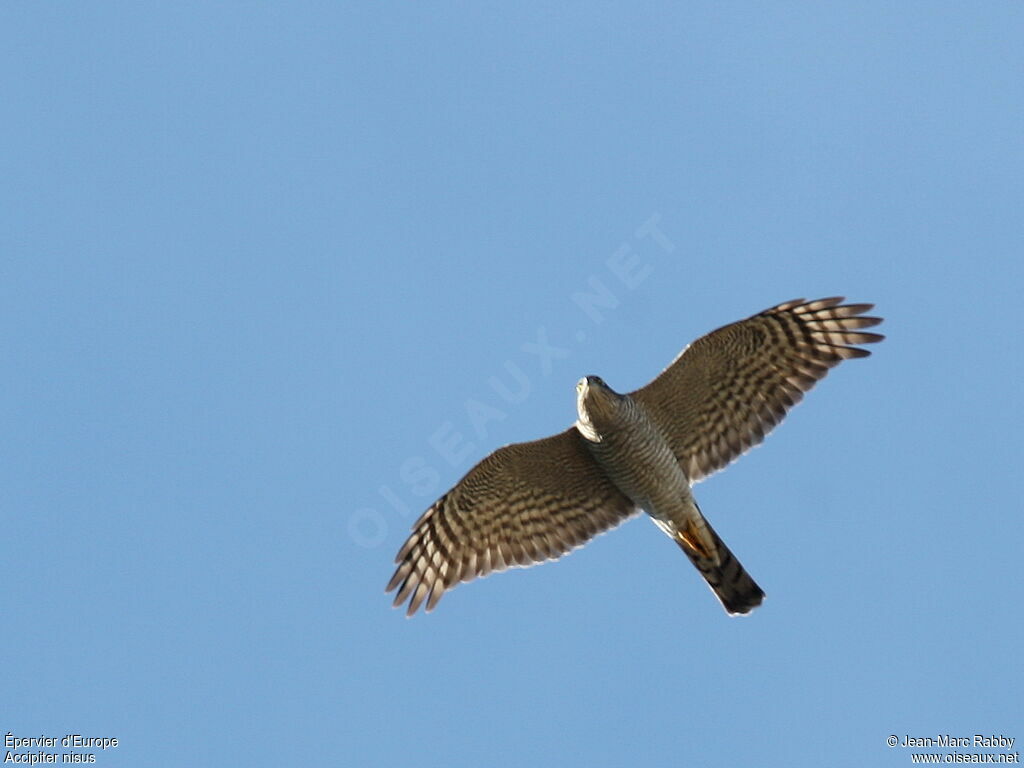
point(725, 574)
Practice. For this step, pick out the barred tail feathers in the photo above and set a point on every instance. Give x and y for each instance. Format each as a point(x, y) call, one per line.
point(728, 579)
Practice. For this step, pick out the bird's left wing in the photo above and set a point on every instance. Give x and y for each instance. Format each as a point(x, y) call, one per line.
point(728, 389)
point(523, 504)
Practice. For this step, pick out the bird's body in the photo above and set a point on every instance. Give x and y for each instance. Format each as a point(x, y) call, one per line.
point(628, 445)
point(530, 502)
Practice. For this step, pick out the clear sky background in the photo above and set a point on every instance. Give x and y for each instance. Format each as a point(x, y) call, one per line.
point(254, 257)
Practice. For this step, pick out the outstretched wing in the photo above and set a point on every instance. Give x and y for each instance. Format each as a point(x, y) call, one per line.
point(523, 504)
point(728, 389)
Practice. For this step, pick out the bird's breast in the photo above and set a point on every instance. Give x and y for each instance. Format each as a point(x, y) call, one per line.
point(635, 455)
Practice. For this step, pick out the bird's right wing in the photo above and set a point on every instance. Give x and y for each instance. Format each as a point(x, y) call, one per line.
point(523, 504)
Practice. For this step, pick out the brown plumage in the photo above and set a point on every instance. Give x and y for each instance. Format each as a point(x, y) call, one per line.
point(530, 502)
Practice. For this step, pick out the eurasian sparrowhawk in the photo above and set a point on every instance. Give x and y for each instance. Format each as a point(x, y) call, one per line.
point(530, 502)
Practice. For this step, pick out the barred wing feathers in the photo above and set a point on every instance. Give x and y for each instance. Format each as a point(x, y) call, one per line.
point(728, 389)
point(523, 504)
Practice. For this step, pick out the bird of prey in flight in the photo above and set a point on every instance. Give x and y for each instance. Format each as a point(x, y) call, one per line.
point(536, 501)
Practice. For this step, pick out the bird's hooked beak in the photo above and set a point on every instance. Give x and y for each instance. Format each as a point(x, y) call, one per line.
point(586, 387)
point(592, 392)
point(581, 394)
point(594, 400)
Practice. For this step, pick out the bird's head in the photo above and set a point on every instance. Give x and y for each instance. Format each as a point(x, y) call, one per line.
point(595, 401)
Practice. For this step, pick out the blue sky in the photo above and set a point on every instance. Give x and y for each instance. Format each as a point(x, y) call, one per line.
point(254, 258)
